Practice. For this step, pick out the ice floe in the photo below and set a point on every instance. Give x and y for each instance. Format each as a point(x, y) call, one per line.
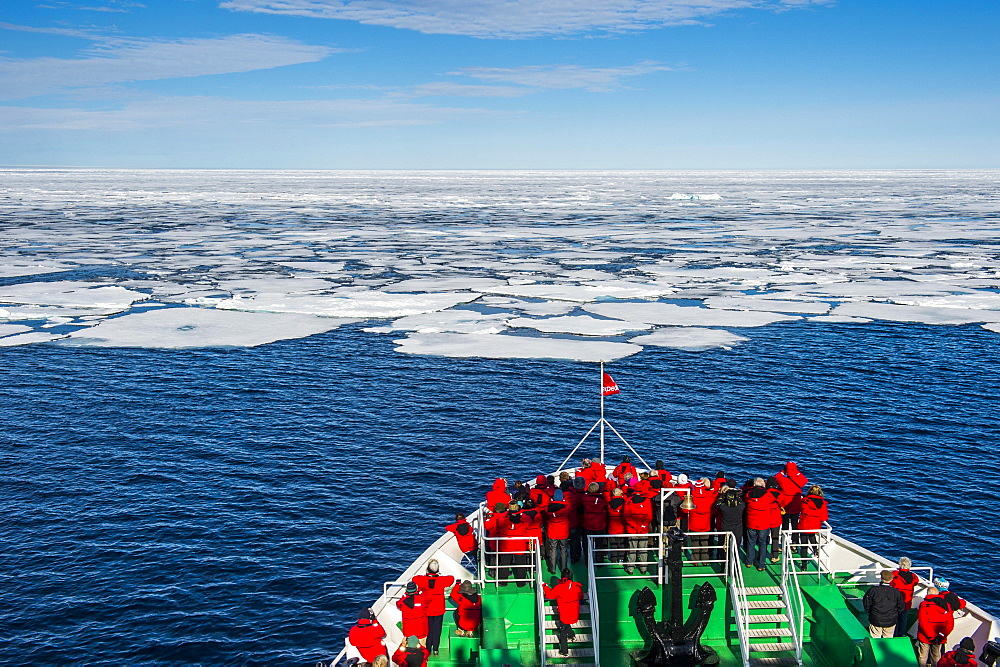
point(690, 338)
point(11, 269)
point(29, 338)
point(582, 325)
point(499, 346)
point(670, 314)
point(620, 289)
point(199, 327)
point(765, 304)
point(71, 293)
point(913, 246)
point(447, 321)
point(922, 314)
point(366, 304)
point(11, 329)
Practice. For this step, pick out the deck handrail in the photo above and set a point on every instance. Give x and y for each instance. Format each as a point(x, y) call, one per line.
point(791, 593)
point(595, 612)
point(741, 604)
point(539, 598)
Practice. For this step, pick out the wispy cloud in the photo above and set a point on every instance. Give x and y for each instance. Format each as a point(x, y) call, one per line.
point(123, 61)
point(193, 112)
point(451, 89)
point(65, 32)
point(562, 77)
point(116, 6)
point(513, 18)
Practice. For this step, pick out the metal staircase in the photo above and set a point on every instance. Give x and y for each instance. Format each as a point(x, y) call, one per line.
point(581, 644)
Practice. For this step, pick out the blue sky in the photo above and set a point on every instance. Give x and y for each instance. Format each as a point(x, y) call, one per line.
point(506, 84)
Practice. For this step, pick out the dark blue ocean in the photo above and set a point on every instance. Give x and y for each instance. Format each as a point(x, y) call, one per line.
point(240, 506)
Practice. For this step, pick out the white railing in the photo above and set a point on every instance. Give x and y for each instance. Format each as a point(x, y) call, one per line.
point(595, 612)
point(725, 547)
point(540, 600)
point(624, 549)
point(741, 604)
point(818, 551)
point(531, 552)
point(792, 594)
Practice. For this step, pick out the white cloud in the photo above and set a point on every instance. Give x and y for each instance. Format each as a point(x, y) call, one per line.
point(560, 77)
point(161, 112)
point(450, 89)
point(127, 61)
point(513, 18)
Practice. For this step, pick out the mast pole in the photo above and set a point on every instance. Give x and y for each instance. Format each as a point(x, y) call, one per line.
point(602, 412)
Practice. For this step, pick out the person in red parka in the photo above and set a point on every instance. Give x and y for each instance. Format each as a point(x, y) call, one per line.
point(432, 586)
point(776, 518)
point(464, 535)
point(573, 494)
point(904, 581)
point(616, 526)
point(367, 635)
point(595, 516)
point(962, 655)
point(935, 621)
point(638, 516)
point(469, 612)
point(541, 492)
point(411, 654)
point(491, 529)
point(700, 517)
point(498, 494)
point(567, 595)
point(812, 514)
point(761, 506)
point(557, 520)
point(514, 556)
point(624, 467)
point(791, 484)
point(413, 606)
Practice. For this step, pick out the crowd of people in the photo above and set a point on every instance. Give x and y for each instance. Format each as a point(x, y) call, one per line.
point(626, 506)
point(888, 606)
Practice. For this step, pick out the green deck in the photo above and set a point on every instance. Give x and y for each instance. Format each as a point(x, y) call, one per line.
point(834, 630)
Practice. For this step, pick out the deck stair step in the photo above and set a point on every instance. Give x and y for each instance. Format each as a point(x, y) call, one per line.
point(582, 623)
point(767, 618)
point(771, 647)
point(762, 590)
point(573, 653)
point(773, 660)
point(583, 639)
point(769, 632)
point(765, 604)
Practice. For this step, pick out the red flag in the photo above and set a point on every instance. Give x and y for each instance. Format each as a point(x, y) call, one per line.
point(609, 386)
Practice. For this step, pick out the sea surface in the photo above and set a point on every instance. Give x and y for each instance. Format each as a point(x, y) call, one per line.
point(238, 505)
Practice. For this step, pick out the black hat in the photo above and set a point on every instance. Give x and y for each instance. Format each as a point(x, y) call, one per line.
point(968, 644)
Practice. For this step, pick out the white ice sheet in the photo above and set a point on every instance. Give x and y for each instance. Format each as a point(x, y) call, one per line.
point(448, 321)
point(924, 314)
point(200, 327)
point(71, 293)
point(365, 304)
point(670, 314)
point(582, 325)
point(499, 346)
point(690, 338)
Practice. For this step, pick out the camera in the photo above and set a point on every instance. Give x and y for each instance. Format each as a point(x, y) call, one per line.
point(991, 651)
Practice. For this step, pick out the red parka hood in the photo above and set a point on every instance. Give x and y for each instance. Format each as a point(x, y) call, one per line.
point(499, 485)
point(791, 469)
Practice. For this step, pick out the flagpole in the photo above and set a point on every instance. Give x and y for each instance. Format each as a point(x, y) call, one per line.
point(602, 413)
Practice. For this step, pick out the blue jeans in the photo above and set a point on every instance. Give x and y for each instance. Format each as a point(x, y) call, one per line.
point(757, 543)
